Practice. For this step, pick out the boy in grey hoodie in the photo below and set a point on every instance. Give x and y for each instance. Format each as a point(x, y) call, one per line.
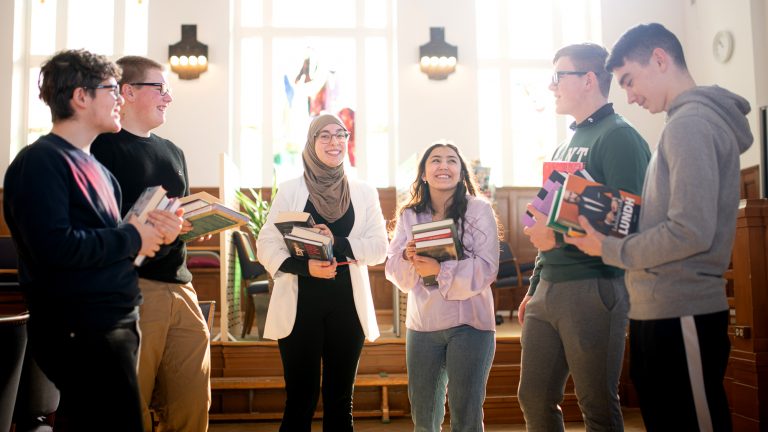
point(678, 313)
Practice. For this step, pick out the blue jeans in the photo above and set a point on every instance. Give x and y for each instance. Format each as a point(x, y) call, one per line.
point(458, 358)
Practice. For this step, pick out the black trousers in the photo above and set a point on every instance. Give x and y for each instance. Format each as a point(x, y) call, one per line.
point(95, 372)
point(327, 331)
point(678, 366)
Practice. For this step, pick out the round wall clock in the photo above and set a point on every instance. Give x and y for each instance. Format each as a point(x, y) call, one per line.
point(722, 46)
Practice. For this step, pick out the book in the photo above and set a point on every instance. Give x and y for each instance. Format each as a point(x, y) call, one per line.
point(564, 167)
point(610, 211)
point(286, 220)
point(146, 202)
point(438, 240)
point(308, 243)
point(211, 219)
point(553, 183)
point(197, 200)
point(153, 198)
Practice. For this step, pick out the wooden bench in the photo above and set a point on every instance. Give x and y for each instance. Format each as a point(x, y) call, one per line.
point(383, 380)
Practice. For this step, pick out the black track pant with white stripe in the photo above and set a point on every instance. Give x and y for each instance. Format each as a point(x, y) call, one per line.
point(677, 366)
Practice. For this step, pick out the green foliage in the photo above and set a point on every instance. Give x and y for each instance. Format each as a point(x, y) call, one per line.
point(256, 208)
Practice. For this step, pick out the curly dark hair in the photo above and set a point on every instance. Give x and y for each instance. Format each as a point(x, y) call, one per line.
point(67, 70)
point(421, 201)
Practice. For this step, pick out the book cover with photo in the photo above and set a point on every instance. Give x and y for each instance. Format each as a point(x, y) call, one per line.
point(609, 210)
point(308, 243)
point(556, 172)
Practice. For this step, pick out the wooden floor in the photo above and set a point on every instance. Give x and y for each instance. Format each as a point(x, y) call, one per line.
point(633, 422)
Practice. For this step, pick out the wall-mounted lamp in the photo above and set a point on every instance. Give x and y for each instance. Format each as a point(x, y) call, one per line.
point(188, 57)
point(437, 57)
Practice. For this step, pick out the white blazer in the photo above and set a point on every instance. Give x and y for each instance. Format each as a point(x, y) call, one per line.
point(368, 240)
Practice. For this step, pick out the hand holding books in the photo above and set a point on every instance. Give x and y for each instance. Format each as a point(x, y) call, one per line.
point(538, 233)
point(433, 242)
point(590, 243)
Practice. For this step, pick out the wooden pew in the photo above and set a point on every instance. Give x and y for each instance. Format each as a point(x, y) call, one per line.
point(382, 380)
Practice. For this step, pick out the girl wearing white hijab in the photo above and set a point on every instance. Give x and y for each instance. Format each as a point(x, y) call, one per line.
point(321, 312)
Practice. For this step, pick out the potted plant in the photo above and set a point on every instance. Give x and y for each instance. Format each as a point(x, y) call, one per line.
point(257, 208)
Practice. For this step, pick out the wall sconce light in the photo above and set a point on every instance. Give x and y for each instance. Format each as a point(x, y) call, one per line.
point(437, 57)
point(188, 57)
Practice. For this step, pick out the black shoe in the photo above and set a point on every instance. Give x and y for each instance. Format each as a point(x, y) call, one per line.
point(499, 319)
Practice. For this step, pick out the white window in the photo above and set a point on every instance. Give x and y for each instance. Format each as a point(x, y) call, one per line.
point(113, 28)
point(335, 56)
point(516, 40)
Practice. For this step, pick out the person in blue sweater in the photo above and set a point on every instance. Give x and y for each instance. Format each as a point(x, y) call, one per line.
point(76, 254)
point(678, 315)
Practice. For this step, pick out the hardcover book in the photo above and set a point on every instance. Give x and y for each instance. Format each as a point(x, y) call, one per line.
point(286, 220)
point(557, 174)
point(609, 210)
point(153, 198)
point(211, 219)
point(308, 243)
point(438, 240)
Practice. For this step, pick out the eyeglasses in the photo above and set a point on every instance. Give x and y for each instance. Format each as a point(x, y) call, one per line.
point(164, 89)
point(557, 75)
point(325, 137)
point(114, 88)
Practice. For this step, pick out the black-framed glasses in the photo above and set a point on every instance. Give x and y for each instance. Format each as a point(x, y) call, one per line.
point(557, 75)
point(114, 88)
point(163, 87)
point(325, 137)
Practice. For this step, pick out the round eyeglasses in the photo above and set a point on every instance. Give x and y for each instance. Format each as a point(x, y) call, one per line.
point(325, 137)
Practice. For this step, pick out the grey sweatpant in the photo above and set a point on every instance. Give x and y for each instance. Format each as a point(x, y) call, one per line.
point(575, 327)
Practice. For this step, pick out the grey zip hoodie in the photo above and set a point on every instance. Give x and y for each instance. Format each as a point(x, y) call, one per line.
point(675, 263)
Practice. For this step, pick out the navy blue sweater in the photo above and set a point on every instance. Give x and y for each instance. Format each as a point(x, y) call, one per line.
point(75, 257)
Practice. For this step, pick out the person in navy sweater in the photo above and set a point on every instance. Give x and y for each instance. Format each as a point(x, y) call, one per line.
point(76, 254)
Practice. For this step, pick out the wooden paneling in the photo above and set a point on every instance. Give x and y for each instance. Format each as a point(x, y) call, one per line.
point(750, 183)
point(510, 206)
point(384, 355)
point(746, 379)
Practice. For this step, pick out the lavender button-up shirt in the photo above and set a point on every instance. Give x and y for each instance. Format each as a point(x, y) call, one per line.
point(463, 293)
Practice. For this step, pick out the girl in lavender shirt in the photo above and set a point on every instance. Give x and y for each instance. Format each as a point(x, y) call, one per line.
point(450, 340)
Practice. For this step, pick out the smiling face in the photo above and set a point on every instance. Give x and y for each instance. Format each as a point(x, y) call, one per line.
point(147, 102)
point(569, 92)
point(332, 153)
point(442, 170)
point(642, 84)
point(104, 109)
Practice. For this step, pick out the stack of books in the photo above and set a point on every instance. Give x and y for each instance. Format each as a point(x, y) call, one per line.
point(153, 198)
point(555, 173)
point(438, 240)
point(610, 211)
point(208, 216)
point(304, 241)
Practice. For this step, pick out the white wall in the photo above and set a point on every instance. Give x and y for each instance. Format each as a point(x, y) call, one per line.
point(431, 109)
point(703, 19)
point(198, 119)
point(619, 16)
point(6, 80)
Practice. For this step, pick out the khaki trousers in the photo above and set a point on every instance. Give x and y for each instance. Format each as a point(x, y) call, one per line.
point(174, 358)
